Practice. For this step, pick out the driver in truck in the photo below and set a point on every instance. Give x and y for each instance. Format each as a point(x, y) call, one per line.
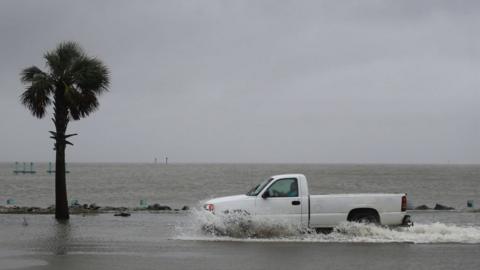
point(293, 190)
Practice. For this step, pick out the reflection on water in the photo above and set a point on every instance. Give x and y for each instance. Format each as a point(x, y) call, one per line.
point(60, 237)
point(84, 234)
point(151, 241)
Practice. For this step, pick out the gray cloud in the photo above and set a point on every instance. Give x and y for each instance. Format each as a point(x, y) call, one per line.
point(256, 81)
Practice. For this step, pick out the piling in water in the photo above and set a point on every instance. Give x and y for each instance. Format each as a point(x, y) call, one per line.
point(24, 170)
point(470, 204)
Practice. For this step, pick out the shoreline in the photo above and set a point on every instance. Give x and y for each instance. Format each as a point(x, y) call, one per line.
point(91, 209)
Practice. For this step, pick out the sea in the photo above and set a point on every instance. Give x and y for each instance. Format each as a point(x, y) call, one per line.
point(175, 239)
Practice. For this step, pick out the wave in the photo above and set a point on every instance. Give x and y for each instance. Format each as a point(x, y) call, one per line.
point(207, 227)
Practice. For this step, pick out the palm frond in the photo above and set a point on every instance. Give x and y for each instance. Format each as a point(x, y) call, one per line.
point(60, 60)
point(82, 104)
point(90, 75)
point(37, 96)
point(29, 74)
point(72, 97)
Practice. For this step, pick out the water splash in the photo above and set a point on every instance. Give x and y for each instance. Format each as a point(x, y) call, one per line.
point(419, 233)
point(237, 225)
point(204, 226)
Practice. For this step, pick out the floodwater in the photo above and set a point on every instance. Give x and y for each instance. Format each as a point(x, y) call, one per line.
point(439, 239)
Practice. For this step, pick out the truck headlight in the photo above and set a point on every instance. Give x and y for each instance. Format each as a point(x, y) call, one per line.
point(209, 207)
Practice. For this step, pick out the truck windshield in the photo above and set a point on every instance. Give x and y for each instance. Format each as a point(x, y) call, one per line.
point(254, 191)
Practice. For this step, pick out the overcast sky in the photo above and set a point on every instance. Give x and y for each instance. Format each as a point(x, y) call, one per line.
point(256, 81)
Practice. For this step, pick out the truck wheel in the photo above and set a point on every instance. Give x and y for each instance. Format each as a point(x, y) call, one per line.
point(324, 230)
point(365, 218)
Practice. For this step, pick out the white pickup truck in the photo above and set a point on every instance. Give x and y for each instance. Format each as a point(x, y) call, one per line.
point(285, 198)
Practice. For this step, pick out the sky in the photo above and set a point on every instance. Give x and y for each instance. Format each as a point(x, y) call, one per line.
point(255, 81)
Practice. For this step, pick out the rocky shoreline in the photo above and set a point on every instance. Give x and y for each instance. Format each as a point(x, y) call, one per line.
point(90, 209)
point(436, 207)
point(154, 208)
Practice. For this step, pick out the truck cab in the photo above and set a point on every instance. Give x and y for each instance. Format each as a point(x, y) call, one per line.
point(282, 197)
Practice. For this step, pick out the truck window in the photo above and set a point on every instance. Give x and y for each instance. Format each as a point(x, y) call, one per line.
point(254, 191)
point(287, 187)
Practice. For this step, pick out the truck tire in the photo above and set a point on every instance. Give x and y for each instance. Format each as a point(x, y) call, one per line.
point(364, 217)
point(324, 230)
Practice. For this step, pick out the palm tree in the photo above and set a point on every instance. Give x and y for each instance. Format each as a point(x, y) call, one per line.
point(72, 83)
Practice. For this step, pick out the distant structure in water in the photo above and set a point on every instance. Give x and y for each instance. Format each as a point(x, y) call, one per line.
point(155, 161)
point(51, 170)
point(23, 169)
point(17, 170)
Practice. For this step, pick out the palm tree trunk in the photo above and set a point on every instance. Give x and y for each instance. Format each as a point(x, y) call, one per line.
point(61, 122)
point(61, 202)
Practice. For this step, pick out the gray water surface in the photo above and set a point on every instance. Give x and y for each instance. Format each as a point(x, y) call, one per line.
point(439, 240)
point(157, 241)
point(187, 184)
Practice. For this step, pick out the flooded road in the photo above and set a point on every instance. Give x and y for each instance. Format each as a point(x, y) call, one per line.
point(440, 240)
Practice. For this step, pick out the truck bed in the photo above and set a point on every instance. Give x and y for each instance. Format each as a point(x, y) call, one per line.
point(330, 209)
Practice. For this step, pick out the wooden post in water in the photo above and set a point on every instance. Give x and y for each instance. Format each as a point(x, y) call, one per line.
point(166, 160)
point(51, 170)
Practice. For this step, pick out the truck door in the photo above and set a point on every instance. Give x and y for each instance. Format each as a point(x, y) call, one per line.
point(280, 202)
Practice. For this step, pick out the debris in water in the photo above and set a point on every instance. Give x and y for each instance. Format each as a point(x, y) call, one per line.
point(122, 214)
point(442, 207)
point(422, 207)
point(159, 207)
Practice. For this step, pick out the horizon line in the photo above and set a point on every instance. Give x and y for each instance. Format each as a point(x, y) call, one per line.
point(248, 163)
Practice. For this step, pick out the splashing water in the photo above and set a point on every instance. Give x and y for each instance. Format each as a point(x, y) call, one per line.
point(419, 233)
point(204, 226)
point(237, 225)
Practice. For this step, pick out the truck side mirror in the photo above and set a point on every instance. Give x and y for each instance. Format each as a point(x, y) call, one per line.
point(265, 194)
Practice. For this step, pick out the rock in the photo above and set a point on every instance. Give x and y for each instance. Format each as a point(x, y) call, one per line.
point(108, 208)
point(33, 209)
point(185, 208)
point(93, 206)
point(159, 207)
point(442, 207)
point(422, 207)
point(75, 204)
point(122, 214)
